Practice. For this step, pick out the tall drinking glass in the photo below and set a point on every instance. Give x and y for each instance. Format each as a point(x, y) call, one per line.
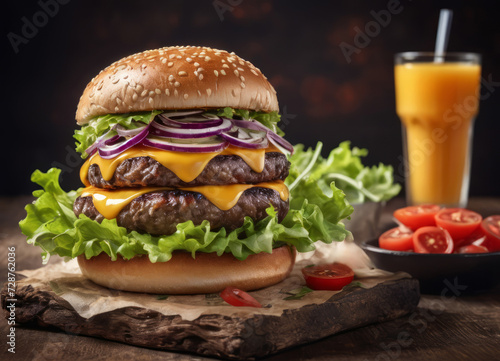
point(437, 101)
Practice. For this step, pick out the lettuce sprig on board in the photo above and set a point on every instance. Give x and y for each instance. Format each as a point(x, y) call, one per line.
point(345, 168)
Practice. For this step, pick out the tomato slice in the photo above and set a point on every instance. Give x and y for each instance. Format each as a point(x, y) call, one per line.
point(477, 237)
point(472, 248)
point(329, 277)
point(415, 217)
point(396, 239)
point(459, 222)
point(239, 298)
point(432, 240)
point(491, 228)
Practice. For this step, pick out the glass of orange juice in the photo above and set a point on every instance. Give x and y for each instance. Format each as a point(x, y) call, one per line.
point(437, 100)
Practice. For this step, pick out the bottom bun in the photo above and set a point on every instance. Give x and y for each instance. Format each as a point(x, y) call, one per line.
point(183, 274)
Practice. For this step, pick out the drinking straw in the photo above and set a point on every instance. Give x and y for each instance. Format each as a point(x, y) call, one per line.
point(444, 25)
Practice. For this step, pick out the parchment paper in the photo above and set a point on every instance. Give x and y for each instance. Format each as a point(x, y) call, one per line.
point(89, 299)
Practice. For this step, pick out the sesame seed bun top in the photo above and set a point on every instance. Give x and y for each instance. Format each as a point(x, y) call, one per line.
point(185, 77)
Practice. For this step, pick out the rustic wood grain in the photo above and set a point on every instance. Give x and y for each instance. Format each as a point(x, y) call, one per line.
point(463, 328)
point(240, 337)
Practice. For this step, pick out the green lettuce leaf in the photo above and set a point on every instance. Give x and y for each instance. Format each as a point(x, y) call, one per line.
point(345, 168)
point(87, 134)
point(51, 224)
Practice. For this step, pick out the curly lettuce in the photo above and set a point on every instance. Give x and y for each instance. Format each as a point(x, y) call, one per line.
point(51, 225)
point(345, 168)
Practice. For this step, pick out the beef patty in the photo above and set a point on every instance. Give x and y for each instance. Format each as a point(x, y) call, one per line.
point(158, 213)
point(222, 169)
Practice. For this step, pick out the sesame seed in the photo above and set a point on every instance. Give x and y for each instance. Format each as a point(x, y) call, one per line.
point(223, 72)
point(223, 61)
point(241, 69)
point(199, 93)
point(145, 91)
point(216, 73)
point(209, 91)
point(182, 73)
point(171, 56)
point(151, 93)
point(189, 60)
point(118, 101)
point(134, 97)
point(242, 78)
point(176, 93)
point(207, 58)
point(186, 96)
point(196, 64)
point(117, 109)
point(242, 85)
point(151, 100)
point(163, 60)
point(177, 84)
point(200, 76)
point(167, 92)
point(233, 92)
point(253, 72)
point(171, 78)
point(236, 73)
point(225, 66)
point(157, 91)
point(179, 56)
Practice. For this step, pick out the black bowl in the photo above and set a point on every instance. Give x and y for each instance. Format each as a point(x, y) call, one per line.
point(444, 274)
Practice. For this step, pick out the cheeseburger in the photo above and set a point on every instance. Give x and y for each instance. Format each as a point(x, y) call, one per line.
point(184, 154)
point(185, 180)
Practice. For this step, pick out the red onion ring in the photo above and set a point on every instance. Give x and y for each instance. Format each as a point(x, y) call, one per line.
point(255, 125)
point(207, 147)
point(111, 151)
point(124, 132)
point(251, 142)
point(188, 133)
point(196, 122)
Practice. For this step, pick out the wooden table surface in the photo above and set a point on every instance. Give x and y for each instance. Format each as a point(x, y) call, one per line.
point(442, 328)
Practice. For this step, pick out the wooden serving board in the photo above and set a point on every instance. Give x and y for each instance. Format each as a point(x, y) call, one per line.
point(236, 333)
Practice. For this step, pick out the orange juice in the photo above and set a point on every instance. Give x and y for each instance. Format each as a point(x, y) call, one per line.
point(437, 104)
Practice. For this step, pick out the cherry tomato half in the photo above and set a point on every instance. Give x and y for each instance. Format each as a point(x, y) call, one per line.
point(239, 298)
point(491, 228)
point(459, 222)
point(477, 237)
point(396, 239)
point(329, 277)
point(432, 240)
point(415, 217)
point(472, 248)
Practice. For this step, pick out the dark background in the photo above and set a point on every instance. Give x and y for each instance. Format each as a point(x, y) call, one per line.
point(295, 43)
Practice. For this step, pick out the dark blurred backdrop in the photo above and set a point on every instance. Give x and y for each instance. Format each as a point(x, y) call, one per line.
point(323, 95)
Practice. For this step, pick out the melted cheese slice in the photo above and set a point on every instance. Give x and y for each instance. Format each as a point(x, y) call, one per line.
point(110, 202)
point(187, 166)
